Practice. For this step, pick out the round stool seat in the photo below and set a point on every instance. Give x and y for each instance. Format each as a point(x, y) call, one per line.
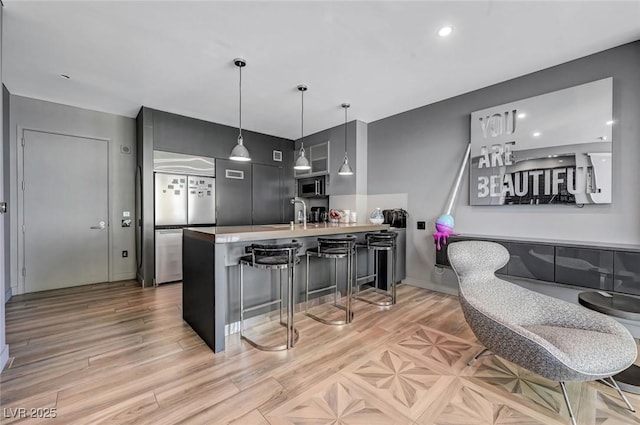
point(334, 247)
point(272, 256)
point(270, 261)
point(382, 239)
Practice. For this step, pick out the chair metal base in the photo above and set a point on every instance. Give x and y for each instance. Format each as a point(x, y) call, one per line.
point(281, 347)
point(292, 334)
point(616, 387)
point(613, 385)
point(568, 403)
point(348, 312)
point(344, 321)
point(485, 352)
point(389, 294)
point(386, 303)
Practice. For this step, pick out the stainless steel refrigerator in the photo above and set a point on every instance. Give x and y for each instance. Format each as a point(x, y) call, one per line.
point(180, 201)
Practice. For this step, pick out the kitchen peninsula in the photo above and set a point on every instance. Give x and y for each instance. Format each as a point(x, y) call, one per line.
point(210, 289)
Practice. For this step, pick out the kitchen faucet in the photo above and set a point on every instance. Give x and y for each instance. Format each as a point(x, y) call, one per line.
point(304, 209)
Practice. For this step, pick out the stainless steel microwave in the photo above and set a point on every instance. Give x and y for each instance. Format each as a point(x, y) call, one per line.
point(312, 187)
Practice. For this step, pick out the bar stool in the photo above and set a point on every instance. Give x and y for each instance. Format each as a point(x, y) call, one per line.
point(273, 257)
point(333, 248)
point(375, 243)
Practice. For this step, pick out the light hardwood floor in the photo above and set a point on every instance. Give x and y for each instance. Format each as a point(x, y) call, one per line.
point(119, 354)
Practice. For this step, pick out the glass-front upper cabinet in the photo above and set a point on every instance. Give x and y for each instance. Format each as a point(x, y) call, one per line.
point(318, 156)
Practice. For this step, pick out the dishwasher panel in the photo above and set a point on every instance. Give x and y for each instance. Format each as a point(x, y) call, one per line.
point(168, 255)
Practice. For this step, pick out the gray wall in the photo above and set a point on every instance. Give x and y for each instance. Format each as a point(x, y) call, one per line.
point(26, 113)
point(419, 152)
point(338, 185)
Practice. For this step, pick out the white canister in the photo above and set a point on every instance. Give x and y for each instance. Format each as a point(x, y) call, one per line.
point(353, 217)
point(346, 216)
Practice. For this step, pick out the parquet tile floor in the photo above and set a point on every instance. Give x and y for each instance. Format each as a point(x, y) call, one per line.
point(119, 354)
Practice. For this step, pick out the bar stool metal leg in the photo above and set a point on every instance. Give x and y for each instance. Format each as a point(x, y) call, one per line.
point(393, 274)
point(335, 281)
point(350, 286)
point(306, 292)
point(291, 330)
point(292, 334)
point(346, 250)
point(377, 243)
point(241, 302)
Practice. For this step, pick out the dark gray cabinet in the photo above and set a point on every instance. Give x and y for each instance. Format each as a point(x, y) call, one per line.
point(626, 272)
point(532, 261)
point(233, 193)
point(592, 268)
point(608, 268)
point(249, 193)
point(267, 194)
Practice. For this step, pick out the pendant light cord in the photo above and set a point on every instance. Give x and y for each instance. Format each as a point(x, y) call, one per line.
point(240, 103)
point(302, 121)
point(345, 131)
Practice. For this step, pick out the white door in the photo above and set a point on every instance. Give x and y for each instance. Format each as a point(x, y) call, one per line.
point(66, 234)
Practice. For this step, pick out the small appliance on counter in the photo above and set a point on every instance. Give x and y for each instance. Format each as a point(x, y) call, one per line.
point(318, 215)
point(396, 217)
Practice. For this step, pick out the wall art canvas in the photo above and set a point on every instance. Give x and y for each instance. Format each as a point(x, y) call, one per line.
point(549, 149)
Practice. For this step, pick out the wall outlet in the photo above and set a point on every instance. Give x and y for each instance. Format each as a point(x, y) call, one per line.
point(421, 225)
point(125, 254)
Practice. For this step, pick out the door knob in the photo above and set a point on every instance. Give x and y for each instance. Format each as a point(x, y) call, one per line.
point(100, 226)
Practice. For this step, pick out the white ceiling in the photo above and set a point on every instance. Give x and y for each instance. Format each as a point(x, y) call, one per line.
point(382, 57)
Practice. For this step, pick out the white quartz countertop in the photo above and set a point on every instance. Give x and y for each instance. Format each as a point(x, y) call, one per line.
point(230, 234)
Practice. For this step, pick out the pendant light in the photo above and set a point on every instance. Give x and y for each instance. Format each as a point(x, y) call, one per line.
point(345, 169)
point(239, 152)
point(302, 163)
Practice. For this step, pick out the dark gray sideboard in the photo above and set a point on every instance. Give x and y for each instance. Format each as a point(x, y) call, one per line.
point(613, 268)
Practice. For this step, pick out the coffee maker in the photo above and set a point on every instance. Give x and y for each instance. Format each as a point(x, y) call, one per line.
point(317, 215)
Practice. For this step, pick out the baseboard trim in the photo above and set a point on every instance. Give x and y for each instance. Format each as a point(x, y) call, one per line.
point(8, 294)
point(117, 277)
point(4, 357)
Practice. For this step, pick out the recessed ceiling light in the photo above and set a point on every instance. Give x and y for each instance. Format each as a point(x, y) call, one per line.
point(66, 77)
point(537, 134)
point(445, 31)
point(522, 115)
point(561, 160)
point(610, 122)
